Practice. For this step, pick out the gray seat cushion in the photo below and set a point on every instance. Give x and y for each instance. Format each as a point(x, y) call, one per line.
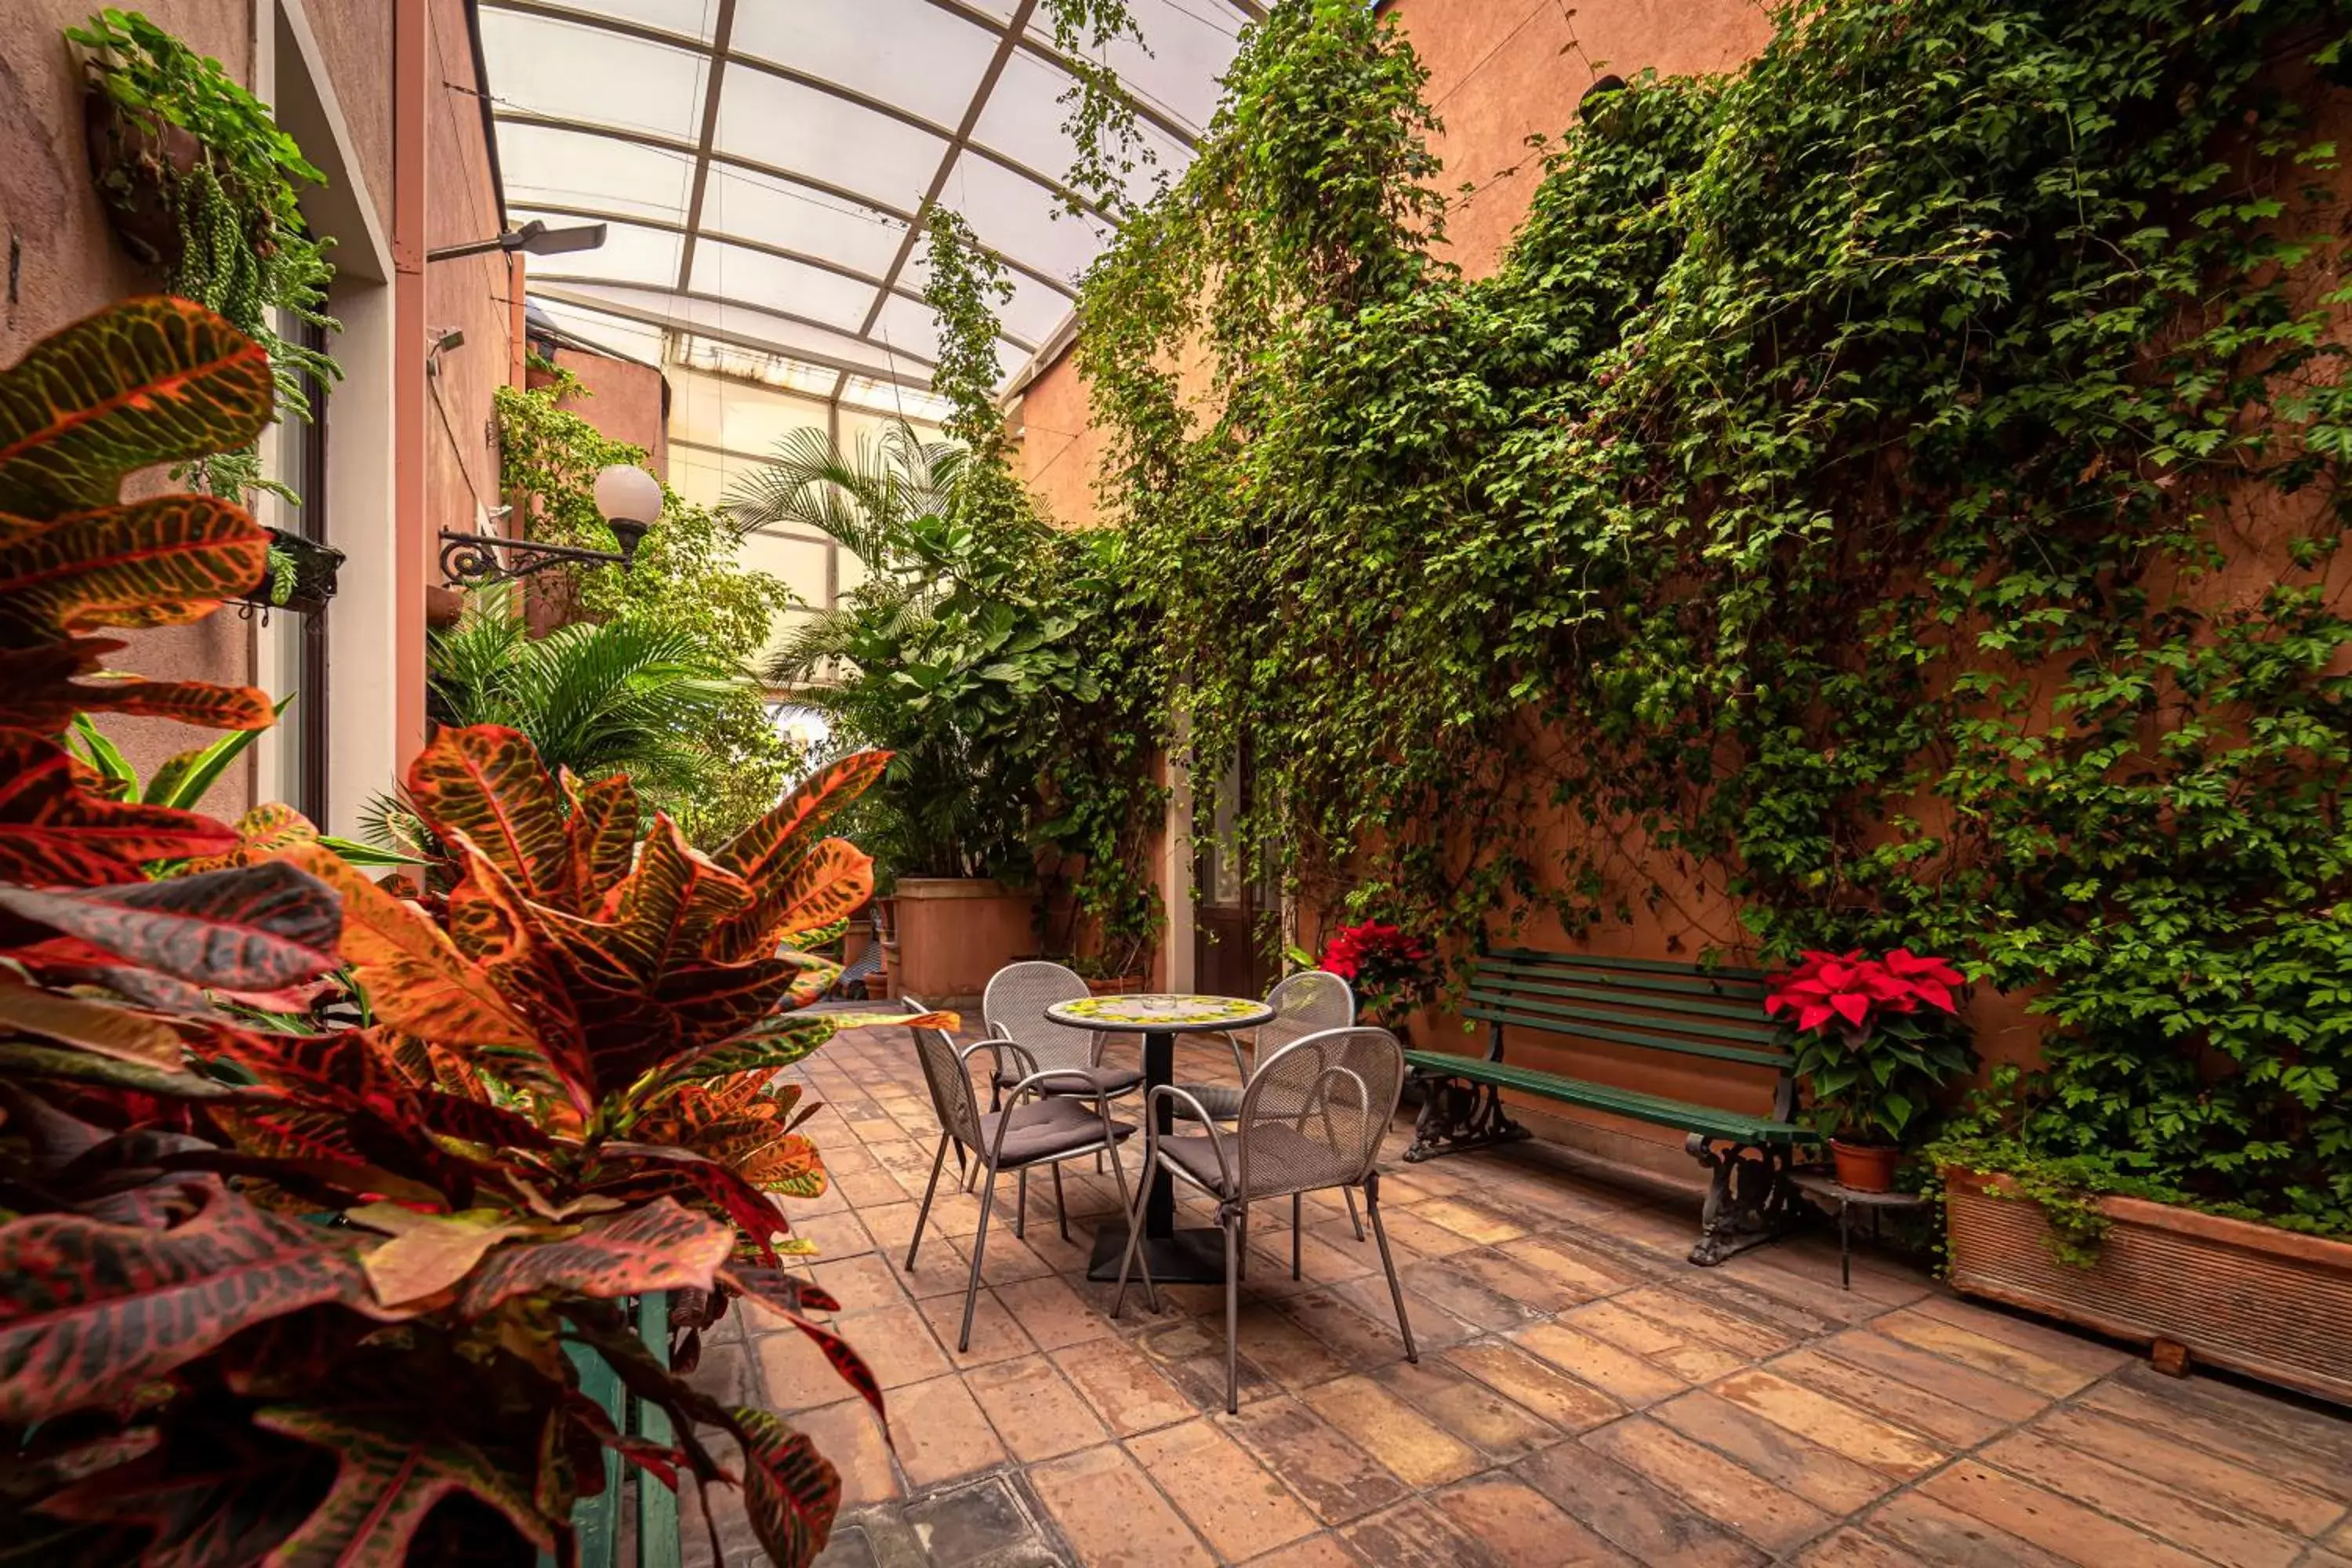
point(1100, 1079)
point(1047, 1129)
point(1222, 1101)
point(1280, 1162)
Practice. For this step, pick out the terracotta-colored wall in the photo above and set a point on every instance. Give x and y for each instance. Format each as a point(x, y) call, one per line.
point(355, 40)
point(1060, 451)
point(1500, 71)
point(625, 400)
point(469, 294)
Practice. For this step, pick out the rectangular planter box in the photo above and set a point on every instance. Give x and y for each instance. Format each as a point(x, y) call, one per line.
point(2274, 1304)
point(956, 931)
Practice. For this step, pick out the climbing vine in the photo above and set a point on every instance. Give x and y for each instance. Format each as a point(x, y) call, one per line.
point(1897, 484)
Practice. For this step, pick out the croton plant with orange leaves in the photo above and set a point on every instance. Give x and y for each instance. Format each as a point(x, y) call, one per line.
point(290, 1291)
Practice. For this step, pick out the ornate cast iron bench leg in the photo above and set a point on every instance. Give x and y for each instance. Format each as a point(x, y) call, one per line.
point(1748, 1197)
point(1457, 1115)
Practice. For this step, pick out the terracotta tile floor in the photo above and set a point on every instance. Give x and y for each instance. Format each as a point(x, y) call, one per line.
point(1584, 1395)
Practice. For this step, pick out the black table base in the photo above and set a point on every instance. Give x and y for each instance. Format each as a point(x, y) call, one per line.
point(1184, 1257)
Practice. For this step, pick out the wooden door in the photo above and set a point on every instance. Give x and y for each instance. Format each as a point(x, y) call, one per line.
point(1229, 950)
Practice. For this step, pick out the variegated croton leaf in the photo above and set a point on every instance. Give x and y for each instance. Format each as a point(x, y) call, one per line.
point(90, 1310)
point(391, 1473)
point(140, 383)
point(486, 783)
point(58, 831)
point(791, 1491)
point(253, 928)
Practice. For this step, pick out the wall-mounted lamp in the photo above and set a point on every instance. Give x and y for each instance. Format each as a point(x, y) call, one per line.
point(533, 239)
point(630, 500)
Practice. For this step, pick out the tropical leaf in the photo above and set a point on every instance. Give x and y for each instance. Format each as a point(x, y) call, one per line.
point(211, 1493)
point(388, 1477)
point(486, 781)
point(21, 1059)
point(158, 563)
point(185, 780)
point(602, 830)
point(142, 382)
point(415, 978)
point(773, 1042)
point(791, 1491)
point(824, 887)
point(428, 1253)
point(658, 1247)
point(253, 928)
point(55, 832)
point(263, 833)
point(94, 1027)
point(90, 1310)
point(107, 758)
point(199, 703)
point(673, 901)
point(778, 840)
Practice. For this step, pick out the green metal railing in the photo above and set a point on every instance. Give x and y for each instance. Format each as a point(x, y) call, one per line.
point(597, 1520)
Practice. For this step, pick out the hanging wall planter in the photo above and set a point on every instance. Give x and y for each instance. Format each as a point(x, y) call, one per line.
point(136, 163)
point(301, 575)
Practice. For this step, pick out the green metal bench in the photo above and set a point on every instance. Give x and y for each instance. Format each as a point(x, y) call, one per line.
point(1648, 1005)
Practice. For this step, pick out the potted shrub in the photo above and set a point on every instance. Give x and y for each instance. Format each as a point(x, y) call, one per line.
point(1875, 1039)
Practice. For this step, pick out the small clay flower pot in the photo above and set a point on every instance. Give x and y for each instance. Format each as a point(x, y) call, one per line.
point(1866, 1167)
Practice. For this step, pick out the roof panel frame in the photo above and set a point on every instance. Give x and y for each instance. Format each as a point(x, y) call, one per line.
point(555, 11)
point(781, 253)
point(775, 172)
point(554, 291)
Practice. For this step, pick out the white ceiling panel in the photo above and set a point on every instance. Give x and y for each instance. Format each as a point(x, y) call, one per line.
point(565, 70)
point(759, 161)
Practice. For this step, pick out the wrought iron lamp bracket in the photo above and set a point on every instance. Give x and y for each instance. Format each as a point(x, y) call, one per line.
point(471, 559)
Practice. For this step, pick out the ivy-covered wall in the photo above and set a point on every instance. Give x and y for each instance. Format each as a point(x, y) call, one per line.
point(1889, 493)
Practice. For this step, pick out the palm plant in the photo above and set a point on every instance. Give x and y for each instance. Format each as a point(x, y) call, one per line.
point(888, 505)
point(599, 698)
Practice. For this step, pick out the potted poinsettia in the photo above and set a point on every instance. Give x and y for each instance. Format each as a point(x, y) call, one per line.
point(1875, 1038)
point(1388, 966)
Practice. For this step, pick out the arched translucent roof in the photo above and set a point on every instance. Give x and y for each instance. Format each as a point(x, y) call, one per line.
point(765, 166)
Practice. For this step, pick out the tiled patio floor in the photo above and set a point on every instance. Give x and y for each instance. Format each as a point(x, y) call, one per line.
point(1584, 1395)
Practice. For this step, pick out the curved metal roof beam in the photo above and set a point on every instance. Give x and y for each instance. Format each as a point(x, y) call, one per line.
point(623, 310)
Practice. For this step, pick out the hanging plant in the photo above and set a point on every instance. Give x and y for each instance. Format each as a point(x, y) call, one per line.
point(200, 182)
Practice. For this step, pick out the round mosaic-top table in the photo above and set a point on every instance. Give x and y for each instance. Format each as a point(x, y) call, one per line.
point(1177, 1257)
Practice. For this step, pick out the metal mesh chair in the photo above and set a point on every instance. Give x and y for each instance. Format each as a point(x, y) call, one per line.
point(1312, 1116)
point(1014, 1008)
point(1042, 1121)
point(1307, 1003)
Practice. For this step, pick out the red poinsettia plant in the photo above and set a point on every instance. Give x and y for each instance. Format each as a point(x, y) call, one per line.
point(1389, 967)
point(1876, 1038)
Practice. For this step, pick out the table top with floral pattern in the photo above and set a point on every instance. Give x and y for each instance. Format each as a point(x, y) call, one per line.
point(1161, 1012)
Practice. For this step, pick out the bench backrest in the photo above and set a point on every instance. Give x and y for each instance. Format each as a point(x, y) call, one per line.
point(1649, 1004)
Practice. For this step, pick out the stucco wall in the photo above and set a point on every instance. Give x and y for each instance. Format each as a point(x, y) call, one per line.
point(625, 401)
point(469, 294)
point(356, 41)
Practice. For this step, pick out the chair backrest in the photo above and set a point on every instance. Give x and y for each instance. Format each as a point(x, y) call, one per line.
point(952, 1100)
point(1014, 1008)
point(1304, 1003)
point(1315, 1111)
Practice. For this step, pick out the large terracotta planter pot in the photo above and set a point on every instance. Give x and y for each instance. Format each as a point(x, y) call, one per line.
point(956, 931)
point(2270, 1303)
point(1123, 985)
